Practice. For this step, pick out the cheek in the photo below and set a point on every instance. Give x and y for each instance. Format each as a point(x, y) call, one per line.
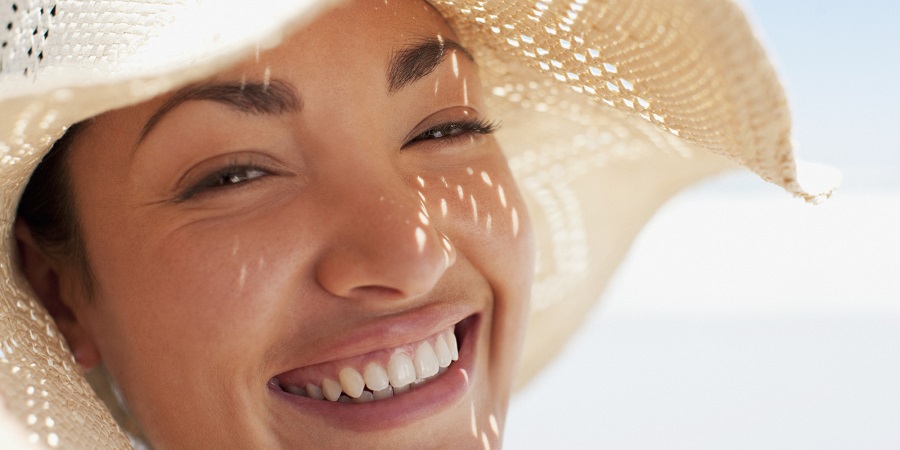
point(479, 210)
point(186, 296)
point(232, 277)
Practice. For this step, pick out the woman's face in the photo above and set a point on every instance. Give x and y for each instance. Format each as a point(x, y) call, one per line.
point(323, 218)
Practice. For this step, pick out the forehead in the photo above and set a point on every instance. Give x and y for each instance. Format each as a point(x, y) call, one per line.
point(344, 51)
point(355, 36)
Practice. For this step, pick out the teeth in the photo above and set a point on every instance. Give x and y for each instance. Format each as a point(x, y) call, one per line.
point(384, 393)
point(401, 371)
point(451, 342)
point(352, 382)
point(314, 391)
point(426, 361)
point(364, 397)
point(296, 391)
point(375, 383)
point(331, 389)
point(376, 377)
point(442, 351)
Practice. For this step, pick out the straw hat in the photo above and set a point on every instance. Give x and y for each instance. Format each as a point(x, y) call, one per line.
point(609, 109)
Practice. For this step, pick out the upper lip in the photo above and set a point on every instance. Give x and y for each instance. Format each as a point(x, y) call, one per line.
point(388, 332)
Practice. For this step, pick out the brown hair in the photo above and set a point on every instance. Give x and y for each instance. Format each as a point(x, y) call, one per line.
point(48, 207)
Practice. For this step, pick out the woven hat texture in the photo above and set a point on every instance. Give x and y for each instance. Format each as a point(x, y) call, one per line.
point(609, 109)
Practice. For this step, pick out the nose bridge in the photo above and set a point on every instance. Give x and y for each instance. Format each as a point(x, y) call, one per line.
point(383, 242)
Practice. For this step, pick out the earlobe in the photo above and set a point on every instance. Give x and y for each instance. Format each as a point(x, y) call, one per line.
point(83, 348)
point(44, 275)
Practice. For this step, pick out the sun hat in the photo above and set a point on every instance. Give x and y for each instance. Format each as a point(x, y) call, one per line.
point(609, 109)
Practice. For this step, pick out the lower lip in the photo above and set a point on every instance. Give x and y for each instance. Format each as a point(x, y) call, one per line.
point(431, 398)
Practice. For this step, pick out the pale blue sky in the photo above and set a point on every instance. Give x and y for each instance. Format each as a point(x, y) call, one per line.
point(840, 62)
point(750, 320)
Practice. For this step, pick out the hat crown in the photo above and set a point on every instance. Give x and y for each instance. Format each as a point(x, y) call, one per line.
point(79, 36)
point(25, 28)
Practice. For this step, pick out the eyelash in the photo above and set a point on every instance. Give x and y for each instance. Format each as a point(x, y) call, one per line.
point(234, 174)
point(461, 129)
point(237, 173)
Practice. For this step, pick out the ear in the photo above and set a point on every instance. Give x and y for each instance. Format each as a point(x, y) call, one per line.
point(44, 272)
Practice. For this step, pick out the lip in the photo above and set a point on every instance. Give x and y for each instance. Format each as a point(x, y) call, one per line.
point(389, 332)
point(431, 398)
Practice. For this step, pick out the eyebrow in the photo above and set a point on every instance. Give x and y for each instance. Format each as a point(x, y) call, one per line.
point(416, 61)
point(275, 97)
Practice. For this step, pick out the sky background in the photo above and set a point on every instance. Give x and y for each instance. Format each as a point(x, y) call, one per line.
point(742, 318)
point(840, 62)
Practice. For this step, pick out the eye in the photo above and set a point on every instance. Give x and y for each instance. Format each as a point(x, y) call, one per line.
point(452, 130)
point(230, 176)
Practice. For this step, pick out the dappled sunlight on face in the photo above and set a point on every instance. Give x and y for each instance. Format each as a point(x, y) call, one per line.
point(465, 86)
point(480, 191)
point(282, 231)
point(484, 430)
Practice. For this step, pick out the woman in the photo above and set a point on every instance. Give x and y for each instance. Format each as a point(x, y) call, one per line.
point(321, 244)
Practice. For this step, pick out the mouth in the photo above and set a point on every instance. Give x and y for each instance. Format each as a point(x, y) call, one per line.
point(381, 375)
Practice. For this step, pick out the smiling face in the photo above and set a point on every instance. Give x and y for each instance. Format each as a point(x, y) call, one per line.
point(321, 222)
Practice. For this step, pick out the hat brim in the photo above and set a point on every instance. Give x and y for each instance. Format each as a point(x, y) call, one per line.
point(609, 109)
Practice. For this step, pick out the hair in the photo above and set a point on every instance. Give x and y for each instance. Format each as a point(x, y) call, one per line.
point(48, 207)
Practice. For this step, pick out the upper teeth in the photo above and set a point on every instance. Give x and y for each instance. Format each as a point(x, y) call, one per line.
point(431, 356)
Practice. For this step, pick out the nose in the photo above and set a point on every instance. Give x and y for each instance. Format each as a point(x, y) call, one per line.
point(382, 244)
